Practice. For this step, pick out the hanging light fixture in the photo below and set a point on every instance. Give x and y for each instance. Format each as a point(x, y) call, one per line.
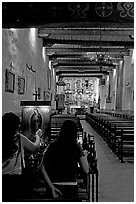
point(101, 57)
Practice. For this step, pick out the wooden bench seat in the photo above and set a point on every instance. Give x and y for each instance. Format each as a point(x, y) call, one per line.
point(112, 129)
point(126, 149)
point(57, 121)
point(129, 115)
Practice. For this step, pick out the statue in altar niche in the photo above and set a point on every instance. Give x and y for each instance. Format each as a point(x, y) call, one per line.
point(78, 84)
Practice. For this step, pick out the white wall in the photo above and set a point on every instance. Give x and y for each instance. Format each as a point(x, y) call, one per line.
point(128, 85)
point(21, 47)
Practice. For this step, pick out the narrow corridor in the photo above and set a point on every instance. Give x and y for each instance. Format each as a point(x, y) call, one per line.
point(116, 180)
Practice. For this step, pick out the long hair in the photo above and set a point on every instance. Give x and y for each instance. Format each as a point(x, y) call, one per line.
point(10, 123)
point(68, 132)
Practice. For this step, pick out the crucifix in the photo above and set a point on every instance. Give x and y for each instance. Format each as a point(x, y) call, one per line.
point(36, 94)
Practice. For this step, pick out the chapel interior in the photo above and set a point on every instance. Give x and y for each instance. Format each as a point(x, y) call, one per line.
point(75, 60)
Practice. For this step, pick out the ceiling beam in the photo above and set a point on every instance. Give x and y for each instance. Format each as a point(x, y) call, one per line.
point(83, 69)
point(55, 55)
point(84, 50)
point(83, 65)
point(128, 44)
point(45, 32)
point(80, 56)
point(81, 74)
point(89, 25)
point(87, 59)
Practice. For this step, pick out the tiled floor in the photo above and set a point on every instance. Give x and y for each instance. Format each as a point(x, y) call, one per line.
point(116, 180)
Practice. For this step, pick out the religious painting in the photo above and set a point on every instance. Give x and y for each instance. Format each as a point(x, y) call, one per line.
point(102, 82)
point(39, 93)
point(44, 95)
point(9, 81)
point(21, 85)
point(48, 96)
point(36, 115)
point(60, 102)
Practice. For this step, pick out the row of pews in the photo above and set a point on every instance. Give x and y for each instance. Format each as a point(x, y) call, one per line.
point(88, 144)
point(122, 114)
point(56, 123)
point(117, 132)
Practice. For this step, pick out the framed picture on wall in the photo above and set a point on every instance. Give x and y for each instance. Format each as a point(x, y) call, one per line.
point(21, 85)
point(9, 81)
point(39, 93)
point(44, 95)
point(49, 96)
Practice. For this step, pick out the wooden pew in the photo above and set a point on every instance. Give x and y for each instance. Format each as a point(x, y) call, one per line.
point(89, 145)
point(122, 114)
point(56, 123)
point(126, 146)
point(110, 128)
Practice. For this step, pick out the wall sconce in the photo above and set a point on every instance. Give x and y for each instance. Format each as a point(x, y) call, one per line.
point(128, 84)
point(102, 82)
point(131, 37)
point(113, 93)
point(108, 100)
point(11, 66)
point(60, 82)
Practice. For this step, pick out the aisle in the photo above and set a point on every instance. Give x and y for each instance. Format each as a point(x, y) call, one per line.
point(116, 180)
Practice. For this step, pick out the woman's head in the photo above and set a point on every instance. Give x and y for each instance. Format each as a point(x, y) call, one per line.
point(68, 132)
point(10, 123)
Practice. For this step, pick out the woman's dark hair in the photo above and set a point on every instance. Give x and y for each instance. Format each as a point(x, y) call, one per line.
point(10, 123)
point(68, 132)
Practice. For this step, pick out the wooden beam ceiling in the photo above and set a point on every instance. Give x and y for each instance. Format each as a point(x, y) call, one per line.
point(84, 48)
point(127, 44)
point(74, 33)
point(82, 51)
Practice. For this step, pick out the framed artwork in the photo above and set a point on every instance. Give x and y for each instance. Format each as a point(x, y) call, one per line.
point(21, 85)
point(108, 99)
point(9, 81)
point(48, 96)
point(39, 93)
point(44, 95)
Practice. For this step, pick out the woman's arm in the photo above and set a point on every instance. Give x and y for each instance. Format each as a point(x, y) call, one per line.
point(55, 192)
point(32, 146)
point(84, 163)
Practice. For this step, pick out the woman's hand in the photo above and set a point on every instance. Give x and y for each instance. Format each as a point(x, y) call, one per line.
point(39, 132)
point(85, 153)
point(56, 193)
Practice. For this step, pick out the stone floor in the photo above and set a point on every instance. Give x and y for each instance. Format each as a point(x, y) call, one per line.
point(116, 180)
